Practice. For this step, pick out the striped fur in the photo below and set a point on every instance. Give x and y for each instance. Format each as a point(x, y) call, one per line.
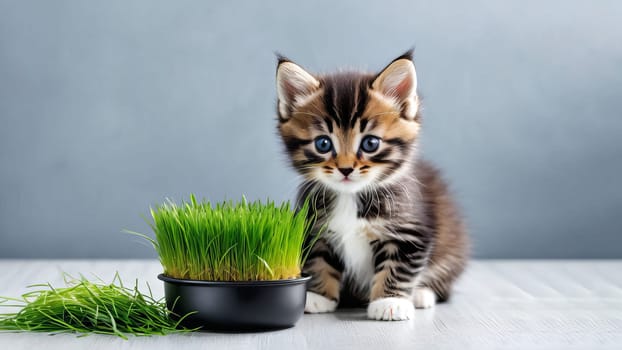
point(391, 227)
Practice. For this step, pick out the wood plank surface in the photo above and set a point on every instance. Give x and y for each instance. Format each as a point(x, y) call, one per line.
point(498, 304)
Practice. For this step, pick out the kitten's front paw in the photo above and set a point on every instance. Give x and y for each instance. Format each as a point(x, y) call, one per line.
point(319, 304)
point(424, 298)
point(391, 309)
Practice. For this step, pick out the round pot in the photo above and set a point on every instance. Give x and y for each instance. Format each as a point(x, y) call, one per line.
point(236, 306)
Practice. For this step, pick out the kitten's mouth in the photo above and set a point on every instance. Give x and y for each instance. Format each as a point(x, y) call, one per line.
point(346, 185)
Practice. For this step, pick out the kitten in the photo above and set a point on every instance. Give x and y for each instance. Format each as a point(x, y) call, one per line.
point(392, 236)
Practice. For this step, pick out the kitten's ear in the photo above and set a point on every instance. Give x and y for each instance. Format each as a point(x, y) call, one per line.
point(292, 84)
point(398, 81)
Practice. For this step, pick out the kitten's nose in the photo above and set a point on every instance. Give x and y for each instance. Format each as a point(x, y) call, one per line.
point(346, 171)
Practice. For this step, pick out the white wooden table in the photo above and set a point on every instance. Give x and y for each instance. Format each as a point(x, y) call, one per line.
point(498, 304)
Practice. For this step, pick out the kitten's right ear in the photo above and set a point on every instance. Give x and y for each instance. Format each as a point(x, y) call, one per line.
point(292, 84)
point(398, 81)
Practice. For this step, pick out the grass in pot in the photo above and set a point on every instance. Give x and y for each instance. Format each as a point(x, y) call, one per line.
point(235, 266)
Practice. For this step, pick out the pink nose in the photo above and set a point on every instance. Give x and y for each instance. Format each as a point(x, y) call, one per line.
point(346, 171)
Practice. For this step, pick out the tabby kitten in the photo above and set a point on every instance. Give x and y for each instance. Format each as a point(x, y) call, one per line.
point(392, 235)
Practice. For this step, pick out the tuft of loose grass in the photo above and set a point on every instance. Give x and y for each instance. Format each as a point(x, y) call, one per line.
point(229, 241)
point(89, 307)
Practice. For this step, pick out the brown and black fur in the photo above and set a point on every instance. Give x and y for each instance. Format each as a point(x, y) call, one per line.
point(407, 214)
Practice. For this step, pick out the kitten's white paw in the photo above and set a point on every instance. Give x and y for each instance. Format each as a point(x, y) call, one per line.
point(319, 304)
point(424, 298)
point(391, 309)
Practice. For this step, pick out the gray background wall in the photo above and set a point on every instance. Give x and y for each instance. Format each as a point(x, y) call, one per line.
point(107, 107)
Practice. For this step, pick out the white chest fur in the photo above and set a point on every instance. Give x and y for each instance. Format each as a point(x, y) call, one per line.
point(347, 236)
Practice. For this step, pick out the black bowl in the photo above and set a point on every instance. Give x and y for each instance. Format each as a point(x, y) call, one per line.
point(236, 306)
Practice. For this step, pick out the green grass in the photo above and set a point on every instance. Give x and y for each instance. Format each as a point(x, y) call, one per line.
point(229, 241)
point(200, 241)
point(89, 307)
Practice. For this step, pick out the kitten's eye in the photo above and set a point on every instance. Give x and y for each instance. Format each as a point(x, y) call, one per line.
point(323, 144)
point(370, 144)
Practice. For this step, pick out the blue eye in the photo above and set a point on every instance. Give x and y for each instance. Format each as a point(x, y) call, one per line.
point(370, 144)
point(323, 144)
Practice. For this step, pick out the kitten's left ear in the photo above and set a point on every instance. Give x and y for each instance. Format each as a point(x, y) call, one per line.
point(398, 81)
